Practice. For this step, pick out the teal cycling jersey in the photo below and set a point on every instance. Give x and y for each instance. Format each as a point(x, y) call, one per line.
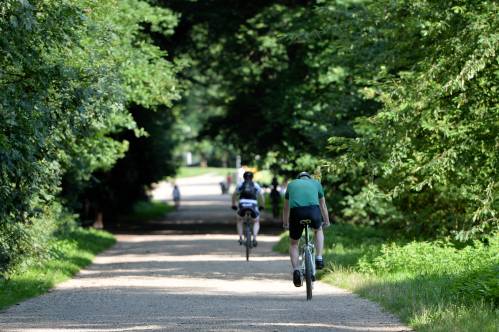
point(304, 192)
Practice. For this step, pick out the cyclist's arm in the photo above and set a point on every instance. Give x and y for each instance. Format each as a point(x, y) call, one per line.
point(234, 198)
point(325, 215)
point(285, 214)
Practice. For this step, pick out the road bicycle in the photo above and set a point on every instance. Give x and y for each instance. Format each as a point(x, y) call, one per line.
point(247, 233)
point(307, 262)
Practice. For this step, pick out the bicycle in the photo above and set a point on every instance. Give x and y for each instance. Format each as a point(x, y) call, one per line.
point(247, 232)
point(307, 262)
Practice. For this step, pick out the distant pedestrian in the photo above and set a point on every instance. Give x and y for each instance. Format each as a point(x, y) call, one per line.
point(176, 196)
point(229, 181)
point(275, 198)
point(223, 187)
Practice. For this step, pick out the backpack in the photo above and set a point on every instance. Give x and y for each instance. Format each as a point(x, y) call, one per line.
point(248, 190)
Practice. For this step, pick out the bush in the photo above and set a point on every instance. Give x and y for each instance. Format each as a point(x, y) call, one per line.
point(427, 284)
point(66, 253)
point(473, 271)
point(148, 210)
point(481, 284)
point(68, 71)
point(21, 243)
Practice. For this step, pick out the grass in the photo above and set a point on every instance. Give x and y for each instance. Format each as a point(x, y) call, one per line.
point(262, 177)
point(185, 172)
point(431, 286)
point(149, 210)
point(67, 255)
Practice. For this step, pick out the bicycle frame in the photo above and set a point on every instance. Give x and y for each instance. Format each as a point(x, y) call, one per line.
point(247, 233)
point(307, 250)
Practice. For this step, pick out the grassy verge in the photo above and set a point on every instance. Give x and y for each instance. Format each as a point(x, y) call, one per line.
point(431, 286)
point(262, 177)
point(67, 255)
point(195, 171)
point(149, 210)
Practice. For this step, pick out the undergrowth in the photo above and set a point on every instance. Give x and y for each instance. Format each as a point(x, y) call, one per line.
point(431, 285)
point(68, 252)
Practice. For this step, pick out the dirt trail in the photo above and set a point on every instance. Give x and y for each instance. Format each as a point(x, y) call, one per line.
point(195, 282)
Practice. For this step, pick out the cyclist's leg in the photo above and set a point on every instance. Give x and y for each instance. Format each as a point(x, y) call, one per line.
point(240, 227)
point(239, 223)
point(316, 218)
point(319, 241)
point(319, 245)
point(293, 254)
point(255, 214)
point(256, 227)
point(295, 231)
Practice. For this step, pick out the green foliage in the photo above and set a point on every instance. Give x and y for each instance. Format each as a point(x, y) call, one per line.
point(430, 154)
point(67, 253)
point(51, 101)
point(480, 284)
point(433, 286)
point(149, 210)
point(394, 101)
point(149, 84)
point(431, 258)
point(68, 72)
point(185, 172)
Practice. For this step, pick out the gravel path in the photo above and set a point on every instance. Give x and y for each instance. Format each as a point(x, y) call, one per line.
point(196, 282)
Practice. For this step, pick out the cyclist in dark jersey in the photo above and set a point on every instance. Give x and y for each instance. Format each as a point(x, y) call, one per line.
point(304, 199)
point(249, 194)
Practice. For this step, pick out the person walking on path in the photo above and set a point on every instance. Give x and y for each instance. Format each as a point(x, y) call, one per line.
point(176, 196)
point(275, 198)
point(304, 199)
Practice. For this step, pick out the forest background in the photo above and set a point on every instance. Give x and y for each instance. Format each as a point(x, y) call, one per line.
point(392, 104)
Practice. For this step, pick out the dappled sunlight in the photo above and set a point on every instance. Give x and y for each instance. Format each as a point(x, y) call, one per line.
point(191, 258)
point(173, 238)
point(207, 184)
point(157, 309)
point(193, 282)
point(336, 327)
point(87, 328)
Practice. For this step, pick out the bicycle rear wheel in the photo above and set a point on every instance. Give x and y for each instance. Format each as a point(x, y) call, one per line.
point(308, 273)
point(247, 234)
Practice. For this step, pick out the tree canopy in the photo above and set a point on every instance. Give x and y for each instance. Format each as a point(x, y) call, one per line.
point(70, 72)
point(393, 104)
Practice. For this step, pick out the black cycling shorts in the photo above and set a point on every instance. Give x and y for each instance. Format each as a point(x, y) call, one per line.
point(312, 212)
point(251, 207)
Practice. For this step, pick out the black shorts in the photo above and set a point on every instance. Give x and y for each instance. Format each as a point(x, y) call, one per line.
point(312, 212)
point(251, 207)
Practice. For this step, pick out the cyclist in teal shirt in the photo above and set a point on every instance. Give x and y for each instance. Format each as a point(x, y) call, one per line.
point(304, 199)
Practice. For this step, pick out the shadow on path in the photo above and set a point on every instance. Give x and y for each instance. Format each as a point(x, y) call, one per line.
point(192, 283)
point(203, 210)
point(181, 276)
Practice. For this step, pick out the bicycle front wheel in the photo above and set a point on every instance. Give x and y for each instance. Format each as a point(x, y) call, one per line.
point(308, 273)
point(247, 234)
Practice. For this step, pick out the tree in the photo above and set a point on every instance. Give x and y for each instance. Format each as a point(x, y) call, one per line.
point(67, 73)
point(432, 149)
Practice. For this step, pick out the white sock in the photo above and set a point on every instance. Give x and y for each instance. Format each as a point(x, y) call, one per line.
point(318, 257)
